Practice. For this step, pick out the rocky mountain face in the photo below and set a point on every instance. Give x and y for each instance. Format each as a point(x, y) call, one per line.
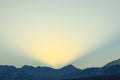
point(47, 73)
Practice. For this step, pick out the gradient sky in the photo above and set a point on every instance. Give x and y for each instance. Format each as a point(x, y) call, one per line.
point(56, 33)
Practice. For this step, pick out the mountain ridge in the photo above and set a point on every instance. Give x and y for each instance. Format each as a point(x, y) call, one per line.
point(27, 72)
point(115, 62)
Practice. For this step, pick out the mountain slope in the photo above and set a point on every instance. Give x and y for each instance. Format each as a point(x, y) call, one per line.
point(34, 73)
point(116, 62)
point(67, 72)
point(108, 72)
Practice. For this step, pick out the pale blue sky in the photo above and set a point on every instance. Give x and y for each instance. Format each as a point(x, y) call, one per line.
point(89, 30)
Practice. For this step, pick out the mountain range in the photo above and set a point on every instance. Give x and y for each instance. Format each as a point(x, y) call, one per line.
point(68, 72)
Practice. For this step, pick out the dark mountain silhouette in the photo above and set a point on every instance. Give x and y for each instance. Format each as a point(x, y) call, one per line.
point(104, 77)
point(110, 71)
point(115, 62)
point(69, 72)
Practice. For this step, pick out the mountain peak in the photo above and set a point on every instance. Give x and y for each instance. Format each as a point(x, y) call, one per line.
point(27, 67)
point(68, 67)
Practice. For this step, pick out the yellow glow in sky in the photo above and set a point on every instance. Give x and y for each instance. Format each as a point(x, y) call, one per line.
point(56, 32)
point(53, 50)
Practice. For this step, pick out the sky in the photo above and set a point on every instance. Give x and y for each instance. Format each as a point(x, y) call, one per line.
point(55, 33)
